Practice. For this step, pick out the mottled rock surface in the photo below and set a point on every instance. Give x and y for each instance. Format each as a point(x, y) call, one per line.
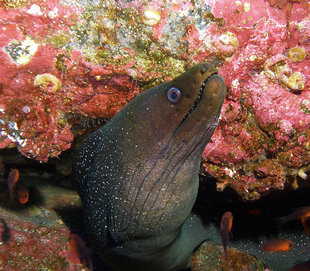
point(236, 260)
point(35, 236)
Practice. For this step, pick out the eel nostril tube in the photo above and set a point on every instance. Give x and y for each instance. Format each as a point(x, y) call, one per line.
point(203, 69)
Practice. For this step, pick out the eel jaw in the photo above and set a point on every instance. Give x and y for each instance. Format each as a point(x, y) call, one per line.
point(198, 98)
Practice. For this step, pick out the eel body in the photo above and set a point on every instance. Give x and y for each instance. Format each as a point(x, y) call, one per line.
point(138, 174)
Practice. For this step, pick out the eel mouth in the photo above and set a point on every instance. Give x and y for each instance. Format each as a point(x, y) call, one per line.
point(198, 98)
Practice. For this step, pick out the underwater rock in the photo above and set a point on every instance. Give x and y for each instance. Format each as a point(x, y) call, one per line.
point(35, 236)
point(263, 139)
point(42, 81)
point(98, 55)
point(22, 241)
point(209, 257)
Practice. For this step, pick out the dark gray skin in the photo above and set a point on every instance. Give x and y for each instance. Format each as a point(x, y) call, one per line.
point(138, 174)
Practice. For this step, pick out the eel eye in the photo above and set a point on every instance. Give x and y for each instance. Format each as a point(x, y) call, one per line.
point(174, 95)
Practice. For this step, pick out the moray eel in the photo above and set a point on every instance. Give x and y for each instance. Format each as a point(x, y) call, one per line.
point(138, 174)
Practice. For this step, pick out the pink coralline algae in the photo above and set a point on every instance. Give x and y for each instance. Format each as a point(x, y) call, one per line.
point(90, 60)
point(40, 84)
point(263, 139)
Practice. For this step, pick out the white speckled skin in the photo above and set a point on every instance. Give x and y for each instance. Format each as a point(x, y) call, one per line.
point(138, 174)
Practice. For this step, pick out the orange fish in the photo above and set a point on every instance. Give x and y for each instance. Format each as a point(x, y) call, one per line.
point(225, 228)
point(306, 223)
point(78, 247)
point(12, 180)
point(255, 211)
point(303, 214)
point(23, 194)
point(298, 214)
point(278, 245)
point(301, 267)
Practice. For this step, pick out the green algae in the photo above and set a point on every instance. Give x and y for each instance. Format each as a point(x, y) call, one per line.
point(59, 40)
point(60, 63)
point(117, 38)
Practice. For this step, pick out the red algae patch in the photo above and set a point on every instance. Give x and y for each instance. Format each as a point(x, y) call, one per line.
point(256, 147)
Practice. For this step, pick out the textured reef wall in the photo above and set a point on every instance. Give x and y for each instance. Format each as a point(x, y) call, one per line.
point(264, 140)
point(37, 236)
point(62, 60)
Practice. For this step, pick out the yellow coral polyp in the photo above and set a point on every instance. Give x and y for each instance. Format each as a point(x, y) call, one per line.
point(296, 54)
point(246, 6)
point(275, 70)
point(296, 81)
point(282, 72)
point(45, 79)
point(151, 17)
point(294, 184)
point(229, 38)
point(302, 172)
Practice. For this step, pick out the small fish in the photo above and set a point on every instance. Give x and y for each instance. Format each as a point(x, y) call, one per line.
point(298, 214)
point(225, 228)
point(78, 247)
point(305, 266)
point(278, 245)
point(12, 180)
point(23, 193)
point(303, 214)
point(255, 211)
point(306, 224)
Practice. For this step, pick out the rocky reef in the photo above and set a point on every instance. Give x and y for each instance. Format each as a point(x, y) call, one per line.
point(35, 236)
point(263, 139)
point(63, 61)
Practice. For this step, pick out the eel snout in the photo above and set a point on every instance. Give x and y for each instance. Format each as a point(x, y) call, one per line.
point(215, 89)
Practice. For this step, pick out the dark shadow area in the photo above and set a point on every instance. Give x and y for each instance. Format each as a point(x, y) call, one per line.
point(34, 175)
point(256, 222)
point(35, 198)
point(73, 218)
point(57, 172)
point(251, 219)
point(6, 232)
